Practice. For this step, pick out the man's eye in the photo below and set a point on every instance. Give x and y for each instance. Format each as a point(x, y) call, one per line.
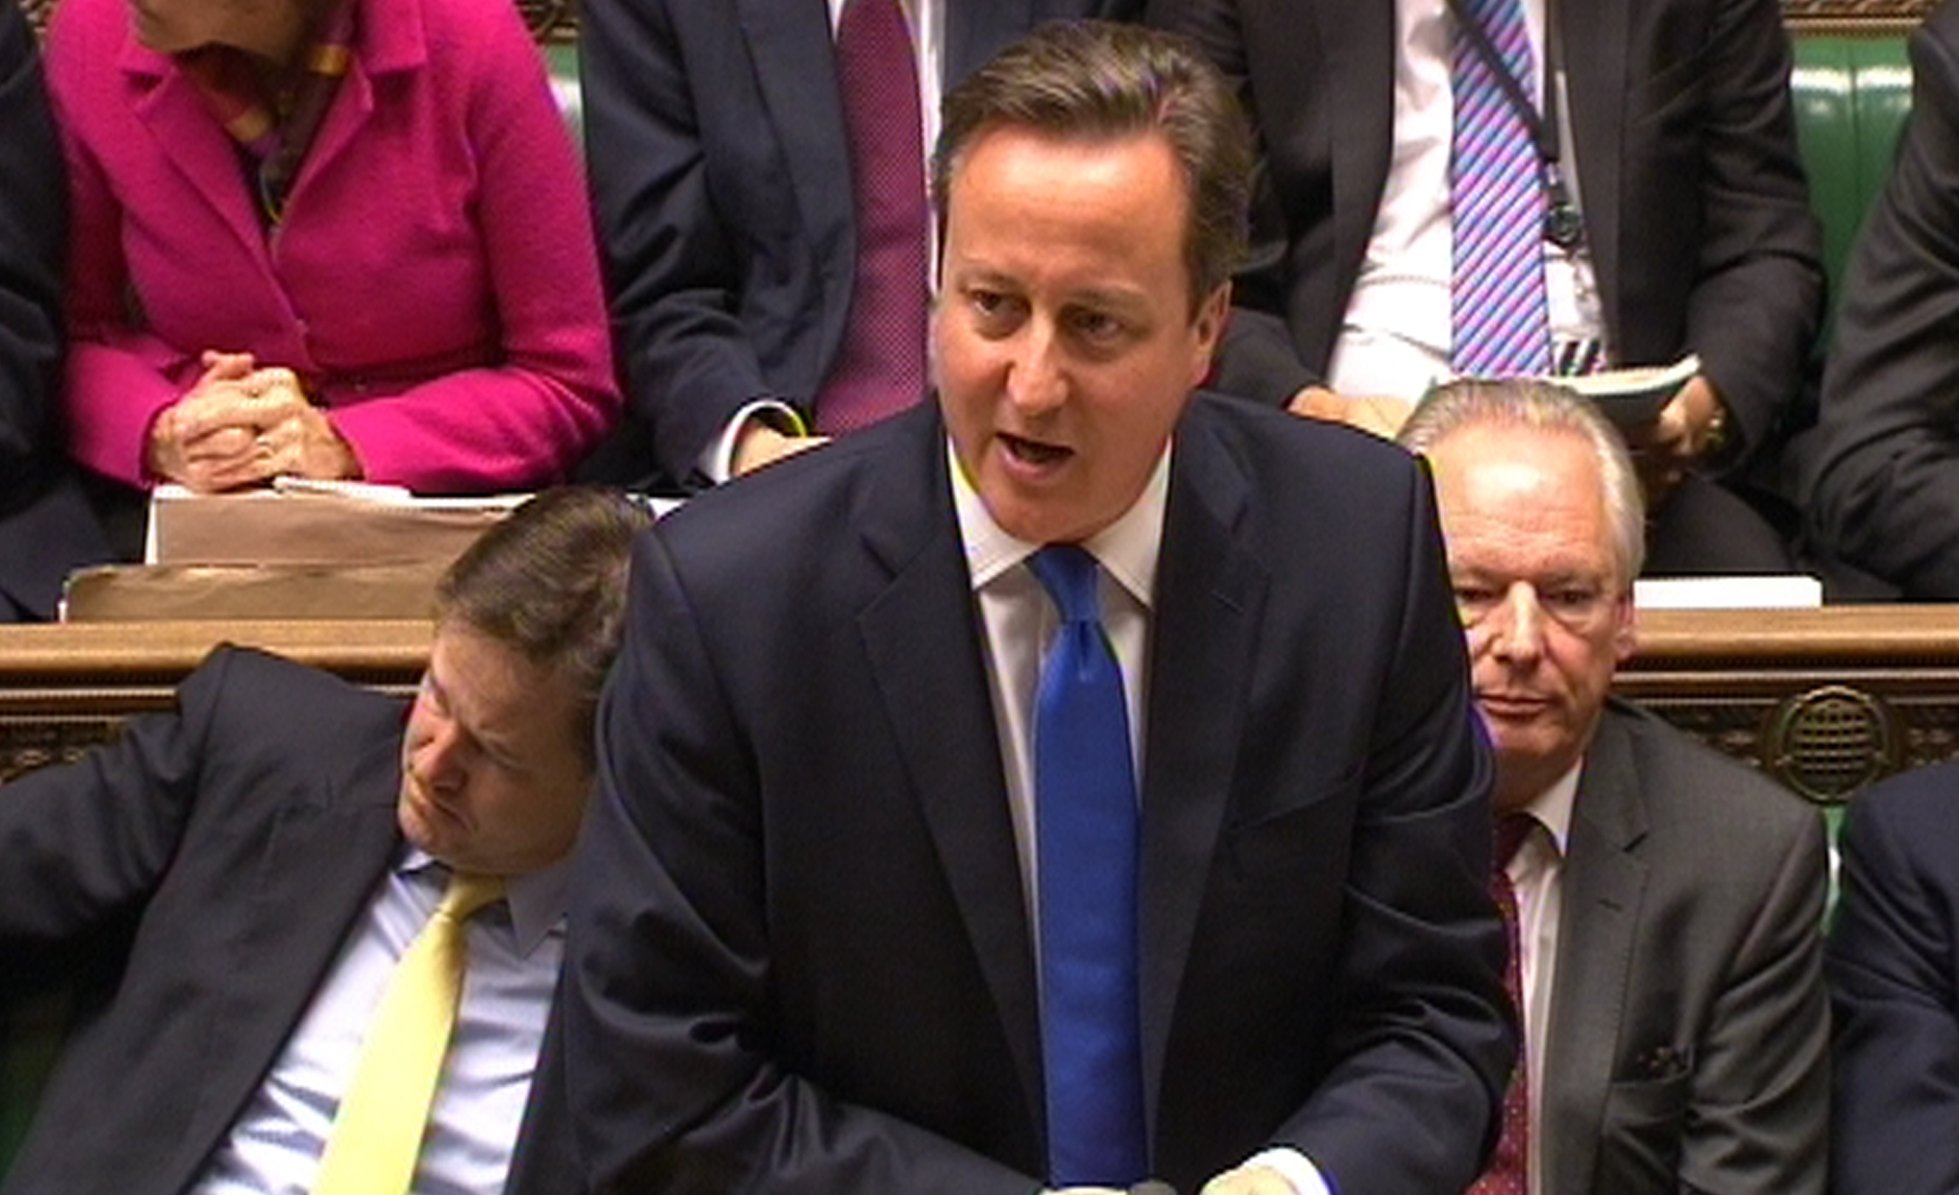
point(992, 306)
point(1097, 325)
point(1576, 600)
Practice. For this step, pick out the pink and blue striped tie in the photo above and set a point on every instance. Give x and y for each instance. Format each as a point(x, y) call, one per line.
point(1497, 207)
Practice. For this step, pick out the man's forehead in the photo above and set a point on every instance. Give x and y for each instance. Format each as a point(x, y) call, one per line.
point(1074, 143)
point(1522, 492)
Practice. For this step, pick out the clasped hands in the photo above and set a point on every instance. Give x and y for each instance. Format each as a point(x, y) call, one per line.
point(1245, 1180)
point(240, 425)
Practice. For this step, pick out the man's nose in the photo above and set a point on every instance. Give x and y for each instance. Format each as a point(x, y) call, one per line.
point(1036, 381)
point(439, 761)
point(1517, 630)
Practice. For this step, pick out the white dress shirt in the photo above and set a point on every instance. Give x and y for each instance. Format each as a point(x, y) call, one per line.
point(1396, 335)
point(515, 946)
point(1018, 621)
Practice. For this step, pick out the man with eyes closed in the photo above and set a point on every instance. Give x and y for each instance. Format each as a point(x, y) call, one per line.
point(1068, 783)
point(263, 865)
point(1666, 902)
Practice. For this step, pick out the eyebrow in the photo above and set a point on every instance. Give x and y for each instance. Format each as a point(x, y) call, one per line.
point(495, 746)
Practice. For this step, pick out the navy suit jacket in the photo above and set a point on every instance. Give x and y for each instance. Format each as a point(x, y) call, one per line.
point(46, 527)
point(800, 959)
point(241, 836)
point(716, 149)
point(1696, 212)
point(1894, 990)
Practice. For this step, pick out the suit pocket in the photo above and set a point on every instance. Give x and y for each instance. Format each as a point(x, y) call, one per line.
point(1640, 1147)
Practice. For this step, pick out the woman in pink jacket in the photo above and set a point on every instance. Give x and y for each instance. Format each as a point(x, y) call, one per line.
point(331, 238)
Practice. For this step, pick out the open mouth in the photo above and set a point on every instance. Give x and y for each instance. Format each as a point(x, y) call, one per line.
point(1034, 452)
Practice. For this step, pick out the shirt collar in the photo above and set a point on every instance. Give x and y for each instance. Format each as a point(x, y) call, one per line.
point(1127, 549)
point(537, 899)
point(1552, 807)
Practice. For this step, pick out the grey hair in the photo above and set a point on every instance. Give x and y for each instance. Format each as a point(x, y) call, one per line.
point(1542, 406)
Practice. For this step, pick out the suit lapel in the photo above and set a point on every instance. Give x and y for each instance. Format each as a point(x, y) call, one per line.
point(1208, 592)
point(1594, 43)
point(794, 56)
point(1604, 882)
point(921, 637)
point(180, 120)
point(325, 851)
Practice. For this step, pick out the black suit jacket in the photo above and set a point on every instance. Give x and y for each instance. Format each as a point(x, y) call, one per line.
point(242, 835)
point(1894, 990)
point(716, 149)
point(1696, 212)
point(46, 527)
point(800, 960)
point(1881, 489)
point(1688, 1043)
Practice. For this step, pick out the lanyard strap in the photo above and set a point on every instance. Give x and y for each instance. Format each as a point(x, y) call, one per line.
point(1563, 224)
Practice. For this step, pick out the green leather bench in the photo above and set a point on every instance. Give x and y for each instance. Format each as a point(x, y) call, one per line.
point(1852, 89)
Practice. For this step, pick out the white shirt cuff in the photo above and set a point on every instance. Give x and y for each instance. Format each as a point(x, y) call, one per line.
point(1296, 1168)
point(718, 462)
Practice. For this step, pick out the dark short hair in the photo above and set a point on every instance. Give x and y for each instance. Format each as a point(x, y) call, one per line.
point(550, 581)
point(1099, 81)
point(1546, 407)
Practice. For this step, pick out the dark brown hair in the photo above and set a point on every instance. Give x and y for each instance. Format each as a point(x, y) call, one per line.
point(550, 581)
point(1097, 81)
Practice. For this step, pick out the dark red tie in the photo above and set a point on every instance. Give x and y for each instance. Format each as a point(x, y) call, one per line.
point(1509, 1172)
point(880, 368)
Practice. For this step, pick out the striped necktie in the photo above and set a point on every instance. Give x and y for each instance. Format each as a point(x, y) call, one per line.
point(1500, 326)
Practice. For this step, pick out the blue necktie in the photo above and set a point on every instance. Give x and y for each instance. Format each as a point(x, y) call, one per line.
point(1085, 800)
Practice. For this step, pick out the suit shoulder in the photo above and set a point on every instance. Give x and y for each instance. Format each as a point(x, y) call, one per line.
point(283, 703)
point(1697, 789)
point(1281, 448)
point(450, 24)
point(1914, 806)
point(803, 507)
point(1939, 32)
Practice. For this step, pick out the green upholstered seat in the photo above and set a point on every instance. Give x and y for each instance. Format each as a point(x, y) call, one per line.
point(1852, 89)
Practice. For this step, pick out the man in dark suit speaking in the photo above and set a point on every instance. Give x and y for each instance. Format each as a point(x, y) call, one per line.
point(292, 870)
point(1068, 783)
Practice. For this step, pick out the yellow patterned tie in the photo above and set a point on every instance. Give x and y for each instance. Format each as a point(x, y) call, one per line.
point(377, 1134)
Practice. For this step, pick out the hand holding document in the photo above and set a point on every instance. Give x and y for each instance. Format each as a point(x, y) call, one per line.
point(1633, 397)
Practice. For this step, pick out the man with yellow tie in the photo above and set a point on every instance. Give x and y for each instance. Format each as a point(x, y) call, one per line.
point(335, 933)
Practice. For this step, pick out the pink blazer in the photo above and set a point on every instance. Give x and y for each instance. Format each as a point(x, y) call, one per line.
point(434, 284)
